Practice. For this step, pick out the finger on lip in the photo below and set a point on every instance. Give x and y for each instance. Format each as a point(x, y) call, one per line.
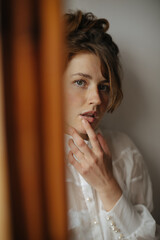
point(86, 125)
point(85, 122)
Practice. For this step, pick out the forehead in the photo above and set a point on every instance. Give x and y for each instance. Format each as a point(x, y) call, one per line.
point(87, 63)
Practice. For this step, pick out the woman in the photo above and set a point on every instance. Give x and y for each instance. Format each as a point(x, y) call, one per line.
point(109, 189)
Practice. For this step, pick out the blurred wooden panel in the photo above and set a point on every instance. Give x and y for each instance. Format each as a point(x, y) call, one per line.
point(32, 65)
point(52, 91)
point(25, 93)
point(5, 229)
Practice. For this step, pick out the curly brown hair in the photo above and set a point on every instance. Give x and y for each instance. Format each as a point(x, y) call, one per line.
point(85, 33)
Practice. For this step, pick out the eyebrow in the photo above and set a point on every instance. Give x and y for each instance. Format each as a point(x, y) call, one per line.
point(83, 75)
point(87, 76)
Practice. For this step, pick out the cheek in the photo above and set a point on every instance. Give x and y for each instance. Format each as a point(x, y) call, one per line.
point(69, 98)
point(73, 99)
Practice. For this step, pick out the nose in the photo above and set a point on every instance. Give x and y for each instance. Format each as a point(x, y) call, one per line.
point(94, 96)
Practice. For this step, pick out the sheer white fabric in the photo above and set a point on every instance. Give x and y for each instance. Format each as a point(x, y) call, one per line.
point(130, 218)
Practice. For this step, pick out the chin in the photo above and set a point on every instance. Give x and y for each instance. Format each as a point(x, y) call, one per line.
point(80, 130)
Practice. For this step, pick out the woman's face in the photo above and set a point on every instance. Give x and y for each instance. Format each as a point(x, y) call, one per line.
point(86, 91)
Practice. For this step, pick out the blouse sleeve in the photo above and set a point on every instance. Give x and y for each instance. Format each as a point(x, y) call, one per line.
point(130, 218)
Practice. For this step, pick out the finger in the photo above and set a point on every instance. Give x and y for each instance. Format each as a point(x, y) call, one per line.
point(70, 130)
point(83, 147)
point(75, 150)
point(92, 136)
point(103, 144)
point(75, 163)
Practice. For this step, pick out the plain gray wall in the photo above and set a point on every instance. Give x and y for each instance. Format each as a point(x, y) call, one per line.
point(135, 27)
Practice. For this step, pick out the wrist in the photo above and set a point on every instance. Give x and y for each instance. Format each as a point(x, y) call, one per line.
point(110, 194)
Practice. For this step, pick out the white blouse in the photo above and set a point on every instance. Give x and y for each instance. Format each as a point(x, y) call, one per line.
point(130, 218)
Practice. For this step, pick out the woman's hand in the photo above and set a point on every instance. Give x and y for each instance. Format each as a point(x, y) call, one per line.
point(95, 165)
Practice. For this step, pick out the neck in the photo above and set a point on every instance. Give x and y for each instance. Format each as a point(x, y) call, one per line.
point(82, 135)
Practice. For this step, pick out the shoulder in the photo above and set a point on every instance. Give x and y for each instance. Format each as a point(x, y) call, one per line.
point(126, 157)
point(119, 142)
point(129, 168)
point(120, 138)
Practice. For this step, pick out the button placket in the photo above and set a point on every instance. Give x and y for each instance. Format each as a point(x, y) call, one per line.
point(114, 228)
point(90, 203)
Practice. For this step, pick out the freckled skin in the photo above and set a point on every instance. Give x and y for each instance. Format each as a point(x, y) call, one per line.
point(79, 99)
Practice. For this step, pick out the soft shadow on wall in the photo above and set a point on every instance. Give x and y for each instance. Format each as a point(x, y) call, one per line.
point(133, 116)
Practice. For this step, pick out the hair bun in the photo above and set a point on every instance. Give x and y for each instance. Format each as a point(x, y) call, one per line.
point(76, 21)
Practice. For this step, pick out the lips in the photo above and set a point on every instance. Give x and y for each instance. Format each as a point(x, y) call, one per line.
point(90, 116)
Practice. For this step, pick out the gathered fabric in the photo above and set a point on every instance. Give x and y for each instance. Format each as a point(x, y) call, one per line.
point(130, 218)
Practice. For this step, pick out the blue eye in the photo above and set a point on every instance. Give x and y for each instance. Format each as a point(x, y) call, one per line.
point(103, 88)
